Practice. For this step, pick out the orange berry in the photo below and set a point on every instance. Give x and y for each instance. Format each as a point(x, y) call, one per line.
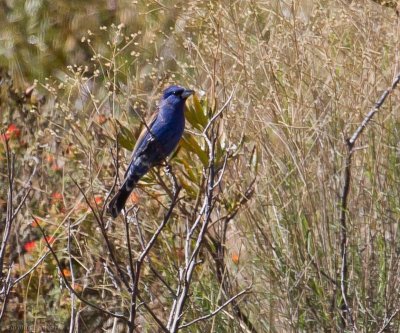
point(66, 272)
point(235, 258)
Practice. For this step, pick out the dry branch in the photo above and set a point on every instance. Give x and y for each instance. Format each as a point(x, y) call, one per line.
point(66, 282)
point(345, 308)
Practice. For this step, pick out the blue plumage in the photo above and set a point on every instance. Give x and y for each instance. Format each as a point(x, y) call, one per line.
point(157, 141)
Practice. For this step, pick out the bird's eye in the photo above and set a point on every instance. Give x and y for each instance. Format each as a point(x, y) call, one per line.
point(177, 92)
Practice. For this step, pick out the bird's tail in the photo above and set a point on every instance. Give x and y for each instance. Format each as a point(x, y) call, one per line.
point(118, 201)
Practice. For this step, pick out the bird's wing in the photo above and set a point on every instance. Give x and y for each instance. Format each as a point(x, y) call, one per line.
point(144, 140)
point(145, 136)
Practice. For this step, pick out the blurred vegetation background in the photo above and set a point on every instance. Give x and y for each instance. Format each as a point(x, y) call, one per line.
point(299, 77)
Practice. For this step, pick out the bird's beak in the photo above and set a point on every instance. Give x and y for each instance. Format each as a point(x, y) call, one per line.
point(187, 93)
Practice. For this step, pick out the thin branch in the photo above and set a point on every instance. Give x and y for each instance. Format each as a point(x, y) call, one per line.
point(16, 211)
point(128, 243)
point(221, 109)
point(71, 268)
point(10, 210)
point(221, 171)
point(346, 311)
point(23, 276)
point(116, 164)
point(66, 282)
point(148, 260)
point(140, 260)
point(212, 314)
point(218, 254)
point(11, 214)
point(7, 288)
point(161, 226)
point(133, 277)
point(374, 110)
point(172, 177)
point(153, 315)
point(387, 321)
point(186, 273)
point(28, 186)
point(159, 276)
point(100, 222)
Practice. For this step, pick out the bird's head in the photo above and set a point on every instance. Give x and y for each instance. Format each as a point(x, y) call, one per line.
point(176, 94)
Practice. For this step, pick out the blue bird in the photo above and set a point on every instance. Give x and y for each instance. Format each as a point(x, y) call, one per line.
point(157, 141)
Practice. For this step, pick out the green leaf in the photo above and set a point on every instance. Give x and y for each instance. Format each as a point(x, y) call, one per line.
point(196, 114)
point(188, 186)
point(190, 144)
point(190, 170)
point(201, 112)
point(125, 137)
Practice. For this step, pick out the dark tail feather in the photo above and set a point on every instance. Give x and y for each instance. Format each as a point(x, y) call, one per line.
point(118, 201)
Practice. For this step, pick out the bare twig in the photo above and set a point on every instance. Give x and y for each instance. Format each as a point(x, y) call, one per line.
point(10, 210)
point(134, 268)
point(153, 315)
point(371, 113)
point(212, 179)
point(100, 222)
point(186, 273)
point(222, 109)
point(345, 308)
point(7, 285)
point(160, 227)
point(28, 188)
point(140, 260)
point(11, 213)
point(217, 310)
point(172, 177)
point(29, 271)
point(116, 164)
point(216, 249)
point(71, 268)
point(133, 277)
point(66, 282)
point(387, 321)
